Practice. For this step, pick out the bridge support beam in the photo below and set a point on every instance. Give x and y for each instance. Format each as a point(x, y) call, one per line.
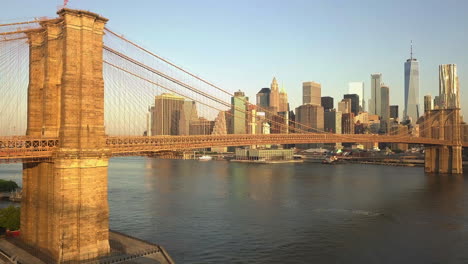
point(65, 212)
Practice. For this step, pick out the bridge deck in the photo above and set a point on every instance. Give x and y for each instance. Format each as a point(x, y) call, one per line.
point(27, 149)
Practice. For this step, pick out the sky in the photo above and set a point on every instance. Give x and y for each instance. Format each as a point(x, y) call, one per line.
point(243, 44)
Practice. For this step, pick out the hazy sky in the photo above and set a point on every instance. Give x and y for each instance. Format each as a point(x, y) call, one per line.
point(242, 44)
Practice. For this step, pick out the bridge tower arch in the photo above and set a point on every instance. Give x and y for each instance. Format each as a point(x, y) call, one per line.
point(445, 124)
point(65, 212)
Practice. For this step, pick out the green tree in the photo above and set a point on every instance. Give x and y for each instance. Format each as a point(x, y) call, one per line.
point(10, 217)
point(7, 186)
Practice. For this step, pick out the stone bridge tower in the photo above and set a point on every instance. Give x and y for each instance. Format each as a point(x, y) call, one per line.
point(443, 124)
point(65, 212)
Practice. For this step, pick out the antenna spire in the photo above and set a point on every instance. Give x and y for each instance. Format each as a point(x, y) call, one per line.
point(411, 49)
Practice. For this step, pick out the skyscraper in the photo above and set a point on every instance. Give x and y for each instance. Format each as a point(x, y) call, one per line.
point(332, 122)
point(358, 88)
point(375, 102)
point(385, 102)
point(411, 109)
point(347, 123)
point(385, 108)
point(394, 111)
point(327, 103)
point(449, 89)
point(428, 106)
point(263, 97)
point(344, 106)
point(188, 114)
point(239, 113)
point(311, 93)
point(309, 118)
point(274, 95)
point(354, 102)
point(283, 101)
point(166, 115)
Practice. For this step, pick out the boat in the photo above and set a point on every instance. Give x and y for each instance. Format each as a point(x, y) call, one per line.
point(15, 196)
point(329, 160)
point(205, 158)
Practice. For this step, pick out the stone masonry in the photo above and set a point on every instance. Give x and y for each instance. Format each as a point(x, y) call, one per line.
point(443, 124)
point(65, 212)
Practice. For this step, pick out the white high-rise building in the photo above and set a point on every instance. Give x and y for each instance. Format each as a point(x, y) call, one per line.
point(411, 110)
point(358, 88)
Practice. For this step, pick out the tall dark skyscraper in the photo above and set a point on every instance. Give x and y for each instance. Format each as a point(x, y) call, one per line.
point(263, 97)
point(354, 102)
point(411, 110)
point(327, 103)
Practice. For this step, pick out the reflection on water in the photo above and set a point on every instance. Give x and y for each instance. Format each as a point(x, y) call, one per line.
point(221, 212)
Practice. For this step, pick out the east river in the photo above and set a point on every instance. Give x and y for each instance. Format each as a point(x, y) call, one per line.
point(221, 212)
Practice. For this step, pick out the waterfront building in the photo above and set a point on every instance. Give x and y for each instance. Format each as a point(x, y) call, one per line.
point(358, 88)
point(264, 154)
point(239, 113)
point(310, 118)
point(411, 107)
point(274, 95)
point(344, 106)
point(166, 114)
point(263, 97)
point(449, 87)
point(326, 102)
point(332, 121)
point(311, 93)
point(428, 103)
point(394, 112)
point(375, 101)
point(354, 102)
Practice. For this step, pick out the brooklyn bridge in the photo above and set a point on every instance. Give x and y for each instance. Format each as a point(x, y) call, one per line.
point(84, 87)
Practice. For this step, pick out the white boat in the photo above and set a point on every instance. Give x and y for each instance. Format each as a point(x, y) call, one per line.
point(205, 158)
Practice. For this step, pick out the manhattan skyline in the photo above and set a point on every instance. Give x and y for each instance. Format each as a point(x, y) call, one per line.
point(243, 45)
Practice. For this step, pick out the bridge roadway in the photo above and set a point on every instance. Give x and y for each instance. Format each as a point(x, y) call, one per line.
point(27, 149)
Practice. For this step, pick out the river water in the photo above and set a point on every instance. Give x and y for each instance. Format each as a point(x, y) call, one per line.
point(221, 212)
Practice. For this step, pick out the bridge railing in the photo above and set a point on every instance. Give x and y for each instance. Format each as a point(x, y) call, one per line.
point(23, 147)
point(126, 145)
